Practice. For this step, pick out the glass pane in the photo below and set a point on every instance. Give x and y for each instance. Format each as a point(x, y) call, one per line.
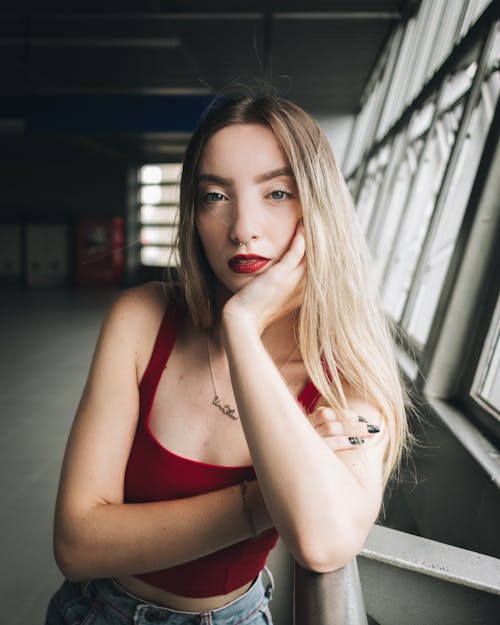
point(150, 174)
point(395, 98)
point(369, 192)
point(158, 234)
point(171, 172)
point(421, 120)
point(486, 384)
point(457, 84)
point(150, 195)
point(418, 213)
point(430, 28)
point(155, 174)
point(159, 194)
point(156, 256)
point(452, 215)
point(158, 214)
point(391, 218)
point(445, 40)
point(367, 198)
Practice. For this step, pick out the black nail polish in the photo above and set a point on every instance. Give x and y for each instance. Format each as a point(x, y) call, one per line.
point(360, 418)
point(373, 429)
point(354, 440)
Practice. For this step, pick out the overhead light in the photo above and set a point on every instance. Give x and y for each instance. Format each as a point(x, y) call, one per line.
point(94, 42)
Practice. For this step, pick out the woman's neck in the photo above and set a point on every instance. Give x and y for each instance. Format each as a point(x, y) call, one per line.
point(279, 338)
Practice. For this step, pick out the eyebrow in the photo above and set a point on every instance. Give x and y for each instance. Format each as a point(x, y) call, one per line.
point(228, 182)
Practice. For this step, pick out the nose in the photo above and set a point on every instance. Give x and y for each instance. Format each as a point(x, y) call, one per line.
point(244, 226)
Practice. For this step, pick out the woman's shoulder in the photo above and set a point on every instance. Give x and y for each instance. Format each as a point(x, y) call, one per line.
point(148, 301)
point(139, 310)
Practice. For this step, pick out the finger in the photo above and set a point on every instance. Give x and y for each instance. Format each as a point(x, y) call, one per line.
point(344, 443)
point(321, 415)
point(325, 413)
point(295, 253)
point(331, 428)
point(337, 428)
point(327, 423)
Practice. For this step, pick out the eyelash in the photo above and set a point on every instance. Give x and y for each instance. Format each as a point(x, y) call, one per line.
point(206, 196)
point(286, 194)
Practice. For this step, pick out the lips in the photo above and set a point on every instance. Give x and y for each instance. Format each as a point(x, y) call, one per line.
point(247, 263)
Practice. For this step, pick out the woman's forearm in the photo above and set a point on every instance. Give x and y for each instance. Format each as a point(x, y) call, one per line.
point(310, 494)
point(106, 540)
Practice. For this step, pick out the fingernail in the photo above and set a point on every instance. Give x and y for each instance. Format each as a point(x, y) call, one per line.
point(360, 418)
point(354, 440)
point(373, 429)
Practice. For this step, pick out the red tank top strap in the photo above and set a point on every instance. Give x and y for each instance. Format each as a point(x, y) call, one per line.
point(309, 396)
point(165, 339)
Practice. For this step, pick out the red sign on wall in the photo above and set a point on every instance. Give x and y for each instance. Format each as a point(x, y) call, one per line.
point(100, 253)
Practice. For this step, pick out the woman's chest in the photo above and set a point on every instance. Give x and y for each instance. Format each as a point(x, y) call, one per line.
point(186, 419)
point(193, 409)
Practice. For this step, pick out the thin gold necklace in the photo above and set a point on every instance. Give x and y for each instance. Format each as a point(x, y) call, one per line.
point(217, 401)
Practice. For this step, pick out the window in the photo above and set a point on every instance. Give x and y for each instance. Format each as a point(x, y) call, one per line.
point(431, 280)
point(429, 212)
point(399, 175)
point(416, 185)
point(418, 209)
point(423, 209)
point(390, 218)
point(158, 213)
point(486, 386)
point(373, 179)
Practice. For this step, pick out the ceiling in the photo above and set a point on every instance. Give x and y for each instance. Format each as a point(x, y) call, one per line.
point(318, 53)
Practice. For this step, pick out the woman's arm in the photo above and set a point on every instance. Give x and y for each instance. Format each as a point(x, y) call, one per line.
point(322, 503)
point(96, 534)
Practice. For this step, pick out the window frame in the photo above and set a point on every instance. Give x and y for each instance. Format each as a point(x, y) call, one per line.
point(448, 393)
point(477, 331)
point(170, 249)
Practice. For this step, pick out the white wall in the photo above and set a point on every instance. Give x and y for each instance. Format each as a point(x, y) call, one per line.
point(338, 129)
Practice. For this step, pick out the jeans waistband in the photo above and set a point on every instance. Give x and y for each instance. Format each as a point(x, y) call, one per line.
point(129, 608)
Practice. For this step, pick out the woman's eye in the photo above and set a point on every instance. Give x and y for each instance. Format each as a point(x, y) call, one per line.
point(278, 195)
point(212, 197)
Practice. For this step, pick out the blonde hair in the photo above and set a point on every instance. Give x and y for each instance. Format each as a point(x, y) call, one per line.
point(343, 335)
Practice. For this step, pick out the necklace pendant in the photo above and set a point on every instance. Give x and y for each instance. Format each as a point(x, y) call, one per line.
point(226, 409)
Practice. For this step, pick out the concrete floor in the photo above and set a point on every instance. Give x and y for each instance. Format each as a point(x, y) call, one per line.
point(47, 338)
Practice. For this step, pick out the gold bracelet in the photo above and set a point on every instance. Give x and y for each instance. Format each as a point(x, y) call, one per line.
point(248, 513)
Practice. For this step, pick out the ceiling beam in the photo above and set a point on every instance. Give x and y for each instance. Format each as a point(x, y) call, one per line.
point(306, 14)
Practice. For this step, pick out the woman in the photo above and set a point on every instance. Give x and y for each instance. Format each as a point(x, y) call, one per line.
point(258, 397)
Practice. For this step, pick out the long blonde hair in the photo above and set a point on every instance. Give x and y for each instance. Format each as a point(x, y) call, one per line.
point(343, 335)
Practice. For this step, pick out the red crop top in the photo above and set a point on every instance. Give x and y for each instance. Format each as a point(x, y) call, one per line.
point(155, 474)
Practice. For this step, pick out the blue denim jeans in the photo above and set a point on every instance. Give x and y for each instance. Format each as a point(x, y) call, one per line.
point(105, 602)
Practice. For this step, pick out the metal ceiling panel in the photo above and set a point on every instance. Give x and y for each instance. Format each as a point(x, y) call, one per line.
point(318, 53)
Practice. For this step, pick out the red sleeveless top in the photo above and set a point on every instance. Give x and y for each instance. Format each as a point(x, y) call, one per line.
point(155, 474)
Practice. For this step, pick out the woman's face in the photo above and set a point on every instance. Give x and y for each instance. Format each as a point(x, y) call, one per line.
point(245, 194)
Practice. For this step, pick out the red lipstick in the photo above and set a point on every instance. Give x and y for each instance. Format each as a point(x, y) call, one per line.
point(247, 263)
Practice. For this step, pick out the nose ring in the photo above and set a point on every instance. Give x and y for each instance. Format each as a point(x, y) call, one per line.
point(245, 244)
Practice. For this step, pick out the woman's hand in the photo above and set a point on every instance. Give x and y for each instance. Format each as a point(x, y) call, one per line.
point(274, 293)
point(334, 432)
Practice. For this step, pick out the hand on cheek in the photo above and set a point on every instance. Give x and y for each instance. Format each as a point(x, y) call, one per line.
point(274, 293)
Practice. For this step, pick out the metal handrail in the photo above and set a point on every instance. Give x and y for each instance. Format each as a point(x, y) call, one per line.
point(334, 598)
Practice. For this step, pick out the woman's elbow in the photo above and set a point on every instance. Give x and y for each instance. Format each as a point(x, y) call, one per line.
point(325, 558)
point(66, 561)
point(326, 564)
point(70, 558)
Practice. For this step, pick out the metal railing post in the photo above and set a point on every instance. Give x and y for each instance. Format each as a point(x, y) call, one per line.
point(333, 598)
